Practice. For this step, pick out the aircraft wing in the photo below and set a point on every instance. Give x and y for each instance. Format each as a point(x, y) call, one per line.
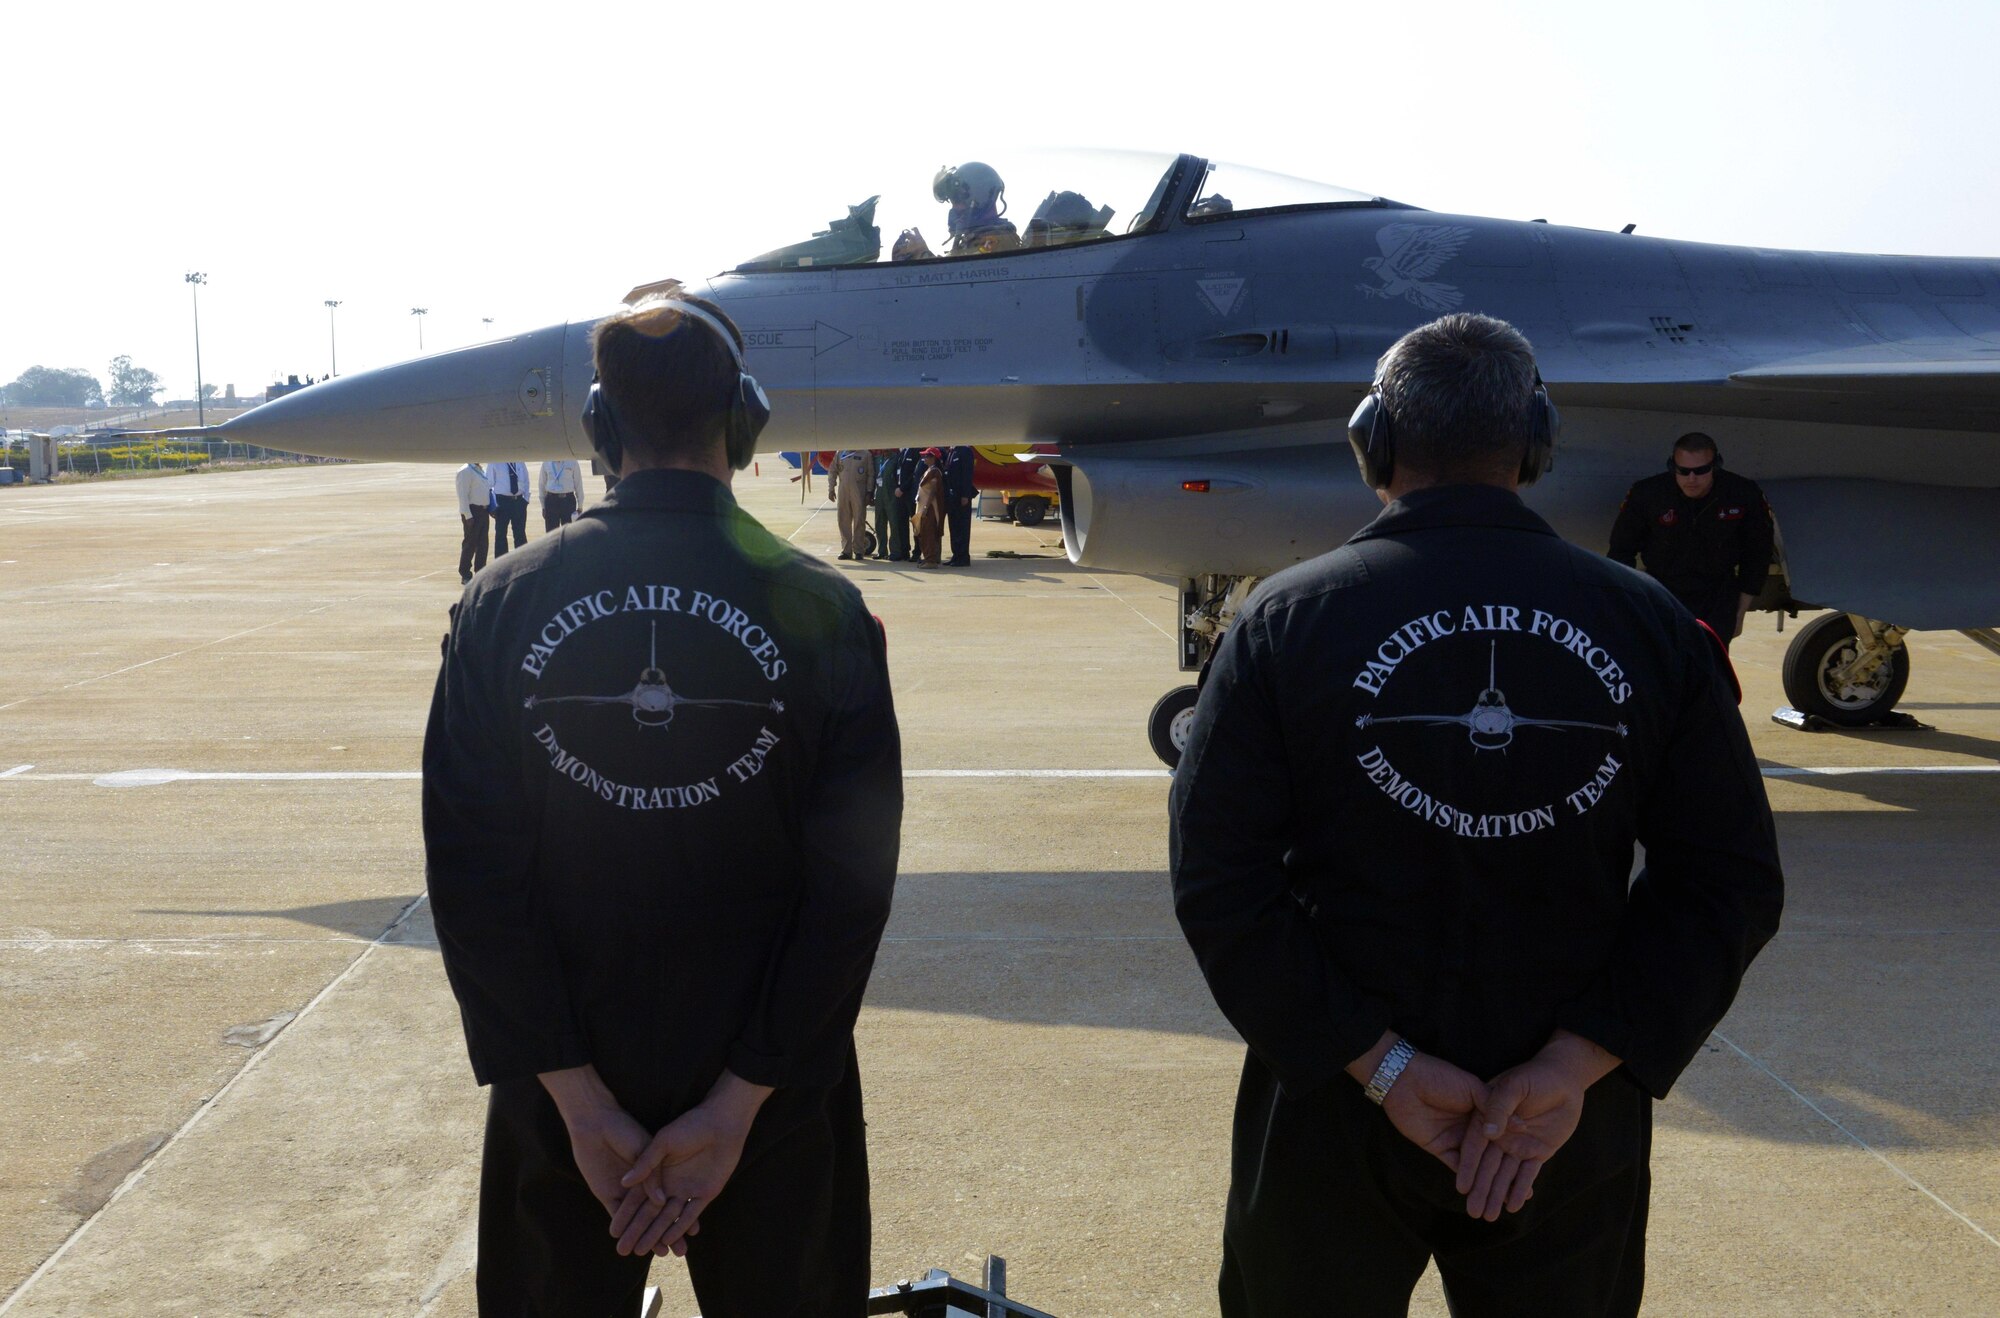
point(1908, 378)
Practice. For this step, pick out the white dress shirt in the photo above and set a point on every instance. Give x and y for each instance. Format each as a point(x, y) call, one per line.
point(510, 479)
point(474, 489)
point(562, 476)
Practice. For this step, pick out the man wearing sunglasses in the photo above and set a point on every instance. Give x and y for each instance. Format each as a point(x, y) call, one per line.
point(1701, 531)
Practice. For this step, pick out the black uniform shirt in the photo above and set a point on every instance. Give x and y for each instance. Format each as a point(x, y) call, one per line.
point(1410, 795)
point(959, 481)
point(1707, 550)
point(662, 799)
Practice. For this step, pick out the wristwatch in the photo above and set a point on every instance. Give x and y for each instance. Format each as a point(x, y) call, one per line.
point(1393, 1062)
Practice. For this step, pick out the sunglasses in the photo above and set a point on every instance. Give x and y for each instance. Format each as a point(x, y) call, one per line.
point(1702, 470)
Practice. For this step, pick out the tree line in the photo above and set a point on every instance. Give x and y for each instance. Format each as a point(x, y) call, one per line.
point(72, 386)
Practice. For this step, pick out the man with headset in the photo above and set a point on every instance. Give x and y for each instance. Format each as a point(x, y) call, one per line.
point(1401, 843)
point(662, 798)
point(1703, 533)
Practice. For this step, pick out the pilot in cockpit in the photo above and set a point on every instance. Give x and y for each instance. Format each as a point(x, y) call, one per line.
point(978, 199)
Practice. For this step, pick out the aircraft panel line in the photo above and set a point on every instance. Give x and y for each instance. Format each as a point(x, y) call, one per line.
point(1866, 1147)
point(208, 1105)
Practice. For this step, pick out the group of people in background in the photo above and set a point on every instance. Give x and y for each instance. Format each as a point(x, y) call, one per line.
point(497, 492)
point(919, 496)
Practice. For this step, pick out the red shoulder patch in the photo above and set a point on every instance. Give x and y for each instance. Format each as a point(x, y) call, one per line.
point(1722, 649)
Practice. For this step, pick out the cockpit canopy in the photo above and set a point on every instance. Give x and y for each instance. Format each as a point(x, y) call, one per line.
point(1045, 200)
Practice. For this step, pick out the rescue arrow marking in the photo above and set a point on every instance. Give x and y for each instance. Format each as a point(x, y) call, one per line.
point(819, 336)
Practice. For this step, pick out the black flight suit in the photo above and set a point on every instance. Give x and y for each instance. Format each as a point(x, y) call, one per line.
point(1706, 551)
point(662, 797)
point(1409, 800)
point(909, 471)
point(960, 493)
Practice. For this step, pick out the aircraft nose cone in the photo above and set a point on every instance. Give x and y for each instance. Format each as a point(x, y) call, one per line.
point(500, 400)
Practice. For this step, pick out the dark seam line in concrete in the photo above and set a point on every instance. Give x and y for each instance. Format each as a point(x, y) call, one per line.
point(221, 640)
point(208, 1105)
point(1866, 1147)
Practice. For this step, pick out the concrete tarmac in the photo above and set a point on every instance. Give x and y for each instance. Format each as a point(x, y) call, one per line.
point(232, 1072)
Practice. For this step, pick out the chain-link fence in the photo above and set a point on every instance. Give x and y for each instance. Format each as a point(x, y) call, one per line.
point(112, 456)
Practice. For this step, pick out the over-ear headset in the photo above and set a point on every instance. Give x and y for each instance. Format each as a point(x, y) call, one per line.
point(1673, 466)
point(749, 407)
point(1372, 434)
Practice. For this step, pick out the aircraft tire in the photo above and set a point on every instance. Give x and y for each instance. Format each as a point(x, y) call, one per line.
point(1171, 720)
point(1030, 511)
point(1823, 644)
point(867, 542)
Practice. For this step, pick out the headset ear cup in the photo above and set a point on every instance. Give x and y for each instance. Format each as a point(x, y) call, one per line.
point(601, 429)
point(1369, 435)
point(749, 413)
point(1539, 458)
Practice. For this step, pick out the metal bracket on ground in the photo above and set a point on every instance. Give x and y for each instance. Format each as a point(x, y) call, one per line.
point(938, 1294)
point(1893, 721)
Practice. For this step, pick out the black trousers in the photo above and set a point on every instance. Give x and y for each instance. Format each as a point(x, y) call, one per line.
point(1333, 1212)
point(509, 510)
point(958, 522)
point(787, 1238)
point(899, 530)
point(558, 509)
point(472, 543)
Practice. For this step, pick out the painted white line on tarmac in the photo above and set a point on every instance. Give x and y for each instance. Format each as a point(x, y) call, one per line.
point(17, 769)
point(138, 1173)
point(1866, 1147)
point(1036, 773)
point(1844, 771)
point(1128, 604)
point(817, 510)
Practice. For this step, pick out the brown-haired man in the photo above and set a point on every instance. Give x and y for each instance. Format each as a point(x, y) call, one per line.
point(662, 796)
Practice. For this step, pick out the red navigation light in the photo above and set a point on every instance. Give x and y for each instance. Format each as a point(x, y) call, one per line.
point(1195, 487)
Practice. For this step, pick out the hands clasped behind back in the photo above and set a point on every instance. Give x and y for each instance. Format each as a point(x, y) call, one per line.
point(1496, 1137)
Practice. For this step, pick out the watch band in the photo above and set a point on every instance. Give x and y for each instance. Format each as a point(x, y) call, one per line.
point(1393, 1062)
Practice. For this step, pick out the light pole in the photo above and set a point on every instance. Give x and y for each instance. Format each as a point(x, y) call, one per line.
point(420, 313)
point(196, 279)
point(332, 343)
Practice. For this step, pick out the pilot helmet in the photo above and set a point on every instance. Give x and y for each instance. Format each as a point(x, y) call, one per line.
point(972, 184)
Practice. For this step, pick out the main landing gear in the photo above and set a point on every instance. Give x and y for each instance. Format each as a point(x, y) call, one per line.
point(1850, 671)
point(1208, 604)
point(1846, 669)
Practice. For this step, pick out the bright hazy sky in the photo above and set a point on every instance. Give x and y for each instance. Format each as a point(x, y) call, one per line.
point(529, 163)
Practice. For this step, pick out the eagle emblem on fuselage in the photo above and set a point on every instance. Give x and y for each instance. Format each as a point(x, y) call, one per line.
point(1411, 254)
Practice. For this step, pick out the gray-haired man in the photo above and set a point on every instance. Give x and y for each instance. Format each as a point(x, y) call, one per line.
point(1402, 834)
